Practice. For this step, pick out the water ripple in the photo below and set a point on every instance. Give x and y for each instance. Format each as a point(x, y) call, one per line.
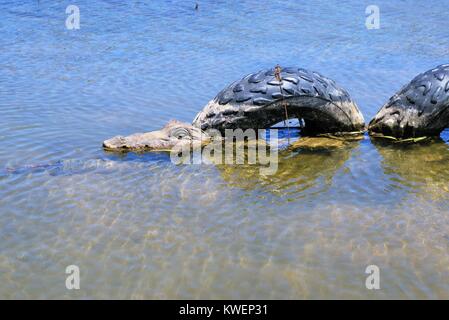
point(141, 227)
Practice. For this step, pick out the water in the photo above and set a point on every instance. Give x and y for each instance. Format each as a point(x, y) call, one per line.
point(139, 226)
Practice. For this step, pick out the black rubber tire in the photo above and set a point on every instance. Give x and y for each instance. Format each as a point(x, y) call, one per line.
point(257, 101)
point(420, 108)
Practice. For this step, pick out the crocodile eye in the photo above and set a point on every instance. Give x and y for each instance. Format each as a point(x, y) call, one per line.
point(180, 133)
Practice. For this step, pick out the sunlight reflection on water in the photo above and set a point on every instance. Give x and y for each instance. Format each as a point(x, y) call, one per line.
point(140, 227)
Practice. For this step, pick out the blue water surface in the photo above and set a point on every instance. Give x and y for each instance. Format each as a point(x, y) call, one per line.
point(139, 226)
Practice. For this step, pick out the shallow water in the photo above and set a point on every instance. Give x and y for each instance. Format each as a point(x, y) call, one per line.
point(139, 226)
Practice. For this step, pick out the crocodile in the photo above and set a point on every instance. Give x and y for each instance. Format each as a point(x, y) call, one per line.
point(258, 101)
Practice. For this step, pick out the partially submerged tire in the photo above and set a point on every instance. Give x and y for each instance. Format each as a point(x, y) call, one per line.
point(259, 100)
point(421, 108)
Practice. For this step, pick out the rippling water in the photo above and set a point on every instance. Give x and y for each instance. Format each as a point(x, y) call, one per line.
point(139, 226)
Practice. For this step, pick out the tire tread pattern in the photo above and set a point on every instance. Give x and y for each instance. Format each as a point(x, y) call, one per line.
point(262, 88)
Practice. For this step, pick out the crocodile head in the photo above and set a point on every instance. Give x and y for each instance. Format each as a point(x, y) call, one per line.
point(174, 134)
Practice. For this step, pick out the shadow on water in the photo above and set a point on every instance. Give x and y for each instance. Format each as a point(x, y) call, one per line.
point(108, 163)
point(298, 171)
point(421, 168)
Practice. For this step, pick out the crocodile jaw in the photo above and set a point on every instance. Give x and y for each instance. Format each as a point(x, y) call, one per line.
point(175, 135)
point(154, 140)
